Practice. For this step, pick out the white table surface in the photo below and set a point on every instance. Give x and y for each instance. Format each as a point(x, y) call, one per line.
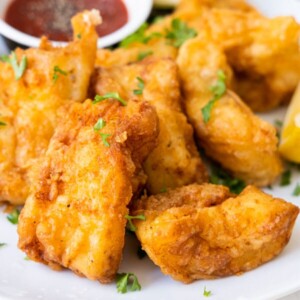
point(296, 296)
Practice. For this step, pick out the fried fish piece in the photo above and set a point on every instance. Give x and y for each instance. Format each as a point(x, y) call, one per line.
point(241, 142)
point(75, 214)
point(202, 232)
point(175, 161)
point(29, 105)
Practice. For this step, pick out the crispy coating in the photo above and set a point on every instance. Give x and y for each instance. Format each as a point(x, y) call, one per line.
point(29, 105)
point(200, 232)
point(236, 138)
point(175, 161)
point(75, 214)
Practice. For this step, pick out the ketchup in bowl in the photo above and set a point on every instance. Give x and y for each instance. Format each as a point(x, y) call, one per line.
point(52, 17)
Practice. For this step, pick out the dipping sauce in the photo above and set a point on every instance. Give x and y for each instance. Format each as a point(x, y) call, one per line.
point(52, 17)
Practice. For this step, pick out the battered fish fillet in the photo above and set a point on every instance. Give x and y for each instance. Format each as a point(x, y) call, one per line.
point(29, 105)
point(268, 65)
point(175, 161)
point(201, 232)
point(75, 214)
point(241, 142)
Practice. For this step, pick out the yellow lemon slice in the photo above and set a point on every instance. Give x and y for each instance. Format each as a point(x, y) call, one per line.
point(165, 3)
point(290, 138)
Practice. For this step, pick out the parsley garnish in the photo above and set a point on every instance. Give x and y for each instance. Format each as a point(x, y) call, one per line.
point(278, 124)
point(218, 90)
point(104, 137)
point(57, 71)
point(179, 33)
point(99, 125)
point(286, 178)
point(296, 191)
point(2, 123)
point(127, 282)
point(115, 96)
point(163, 189)
point(19, 69)
point(220, 177)
point(79, 36)
point(26, 258)
point(131, 227)
point(2, 245)
point(139, 36)
point(141, 86)
point(206, 293)
point(13, 217)
point(143, 55)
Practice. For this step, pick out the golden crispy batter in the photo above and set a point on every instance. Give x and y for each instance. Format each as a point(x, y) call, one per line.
point(268, 65)
point(29, 105)
point(234, 136)
point(75, 214)
point(175, 161)
point(199, 232)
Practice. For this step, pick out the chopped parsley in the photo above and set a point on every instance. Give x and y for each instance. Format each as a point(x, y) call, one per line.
point(13, 217)
point(278, 124)
point(115, 96)
point(99, 125)
point(296, 191)
point(163, 189)
point(141, 86)
point(140, 36)
point(131, 227)
point(19, 68)
point(26, 258)
point(206, 293)
point(220, 177)
point(218, 90)
point(2, 123)
point(79, 36)
point(143, 55)
point(58, 71)
point(179, 33)
point(286, 178)
point(127, 282)
point(104, 137)
point(2, 245)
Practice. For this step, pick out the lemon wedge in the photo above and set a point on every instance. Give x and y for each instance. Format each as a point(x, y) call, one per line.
point(166, 3)
point(290, 138)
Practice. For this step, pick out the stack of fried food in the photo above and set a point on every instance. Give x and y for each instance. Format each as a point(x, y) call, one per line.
point(82, 165)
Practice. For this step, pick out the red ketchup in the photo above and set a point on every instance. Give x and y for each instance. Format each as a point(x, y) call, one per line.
point(52, 17)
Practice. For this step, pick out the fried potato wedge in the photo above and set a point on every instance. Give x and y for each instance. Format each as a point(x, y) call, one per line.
point(29, 105)
point(236, 138)
point(175, 161)
point(201, 232)
point(75, 214)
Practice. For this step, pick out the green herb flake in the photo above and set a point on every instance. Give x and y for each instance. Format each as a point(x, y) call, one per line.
point(296, 191)
point(99, 125)
point(2, 245)
point(79, 36)
point(141, 86)
point(13, 217)
point(113, 95)
point(143, 55)
point(218, 90)
point(206, 293)
point(127, 282)
point(179, 33)
point(131, 227)
point(139, 36)
point(286, 178)
point(220, 177)
point(26, 258)
point(104, 137)
point(278, 124)
point(58, 71)
point(2, 124)
point(19, 68)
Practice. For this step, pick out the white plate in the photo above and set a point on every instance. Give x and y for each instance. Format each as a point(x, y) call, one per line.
point(26, 280)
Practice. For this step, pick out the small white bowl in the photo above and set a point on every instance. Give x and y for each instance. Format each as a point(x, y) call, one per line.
point(138, 12)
